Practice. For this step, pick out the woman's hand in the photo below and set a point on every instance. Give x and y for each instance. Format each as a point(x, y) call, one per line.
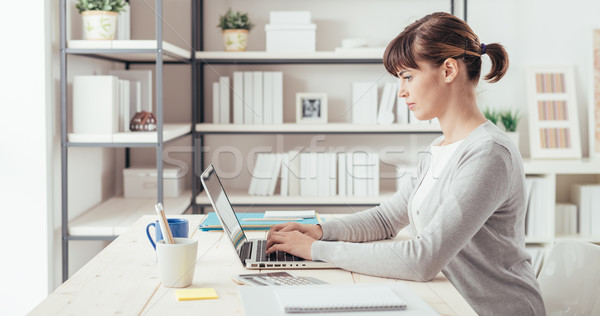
point(293, 238)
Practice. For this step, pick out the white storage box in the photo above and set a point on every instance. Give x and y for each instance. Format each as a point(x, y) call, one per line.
point(142, 182)
point(291, 38)
point(289, 17)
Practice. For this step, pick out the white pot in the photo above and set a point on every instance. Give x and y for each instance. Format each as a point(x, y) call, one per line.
point(235, 40)
point(99, 25)
point(514, 137)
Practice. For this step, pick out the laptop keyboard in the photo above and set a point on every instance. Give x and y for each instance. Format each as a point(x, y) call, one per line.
point(275, 256)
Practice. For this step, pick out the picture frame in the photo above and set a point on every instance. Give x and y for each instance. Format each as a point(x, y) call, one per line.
point(311, 108)
point(553, 113)
point(594, 95)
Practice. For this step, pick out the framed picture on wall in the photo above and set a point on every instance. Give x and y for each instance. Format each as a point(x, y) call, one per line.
point(311, 108)
point(594, 102)
point(553, 117)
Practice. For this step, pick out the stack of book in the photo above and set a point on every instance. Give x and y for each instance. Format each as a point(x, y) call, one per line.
point(316, 174)
point(538, 208)
point(257, 98)
point(587, 199)
point(566, 219)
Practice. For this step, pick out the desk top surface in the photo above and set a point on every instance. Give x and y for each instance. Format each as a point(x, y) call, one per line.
point(123, 279)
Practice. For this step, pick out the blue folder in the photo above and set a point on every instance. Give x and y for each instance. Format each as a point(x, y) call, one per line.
point(211, 222)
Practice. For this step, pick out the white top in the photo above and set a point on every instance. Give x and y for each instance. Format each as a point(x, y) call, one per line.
point(439, 157)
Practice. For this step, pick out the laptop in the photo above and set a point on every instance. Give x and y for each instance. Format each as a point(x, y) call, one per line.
point(251, 252)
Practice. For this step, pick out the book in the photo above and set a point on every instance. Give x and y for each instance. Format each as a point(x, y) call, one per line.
point(364, 103)
point(268, 97)
point(294, 173)
point(224, 100)
point(291, 214)
point(341, 174)
point(124, 23)
point(248, 98)
point(338, 298)
point(257, 95)
point(285, 174)
point(238, 97)
point(145, 78)
point(277, 97)
point(252, 221)
point(216, 103)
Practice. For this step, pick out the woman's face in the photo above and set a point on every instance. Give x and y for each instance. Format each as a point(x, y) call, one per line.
point(423, 90)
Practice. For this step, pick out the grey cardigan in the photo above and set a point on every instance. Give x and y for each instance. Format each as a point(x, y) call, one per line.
point(473, 229)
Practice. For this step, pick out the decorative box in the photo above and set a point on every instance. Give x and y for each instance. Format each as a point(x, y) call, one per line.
point(142, 182)
point(291, 38)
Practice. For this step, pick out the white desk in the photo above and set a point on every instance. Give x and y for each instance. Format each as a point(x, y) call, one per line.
point(123, 279)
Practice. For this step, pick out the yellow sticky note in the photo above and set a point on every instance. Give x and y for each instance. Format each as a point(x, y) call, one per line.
point(196, 294)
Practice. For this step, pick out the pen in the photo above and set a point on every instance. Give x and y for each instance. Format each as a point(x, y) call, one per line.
point(164, 224)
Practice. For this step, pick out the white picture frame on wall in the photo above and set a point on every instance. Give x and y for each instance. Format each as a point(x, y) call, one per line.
point(311, 108)
point(553, 113)
point(594, 99)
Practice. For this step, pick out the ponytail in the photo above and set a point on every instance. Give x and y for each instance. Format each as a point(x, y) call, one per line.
point(499, 59)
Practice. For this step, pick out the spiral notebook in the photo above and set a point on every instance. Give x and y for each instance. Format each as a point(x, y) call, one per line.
point(348, 298)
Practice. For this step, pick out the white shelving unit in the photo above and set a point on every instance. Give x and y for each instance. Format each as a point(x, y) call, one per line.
point(129, 50)
point(170, 132)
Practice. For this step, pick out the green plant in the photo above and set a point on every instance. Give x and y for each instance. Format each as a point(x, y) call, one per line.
point(510, 120)
point(491, 115)
point(100, 5)
point(235, 21)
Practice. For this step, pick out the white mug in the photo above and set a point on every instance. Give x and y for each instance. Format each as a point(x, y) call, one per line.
point(177, 262)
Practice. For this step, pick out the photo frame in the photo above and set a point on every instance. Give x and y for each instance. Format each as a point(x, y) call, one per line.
point(594, 100)
point(311, 108)
point(553, 115)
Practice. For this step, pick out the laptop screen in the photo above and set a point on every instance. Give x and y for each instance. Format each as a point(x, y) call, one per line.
point(220, 202)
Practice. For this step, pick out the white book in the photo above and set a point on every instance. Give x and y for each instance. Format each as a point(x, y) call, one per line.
point(125, 106)
point(238, 97)
point(360, 173)
point(595, 209)
point(257, 94)
point(385, 116)
point(136, 99)
point(216, 93)
point(268, 97)
point(402, 111)
point(124, 24)
point(322, 174)
point(248, 98)
point(294, 173)
point(290, 214)
point(224, 99)
point(374, 174)
point(332, 157)
point(580, 195)
point(285, 175)
point(145, 78)
point(364, 103)
point(308, 174)
point(277, 97)
point(266, 169)
point(566, 219)
point(276, 167)
point(341, 174)
point(253, 189)
point(350, 174)
point(96, 106)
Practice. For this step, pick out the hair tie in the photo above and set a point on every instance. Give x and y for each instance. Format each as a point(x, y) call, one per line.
point(483, 50)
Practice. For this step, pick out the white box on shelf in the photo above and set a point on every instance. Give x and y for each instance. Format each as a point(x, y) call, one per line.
point(142, 182)
point(96, 106)
point(291, 38)
point(289, 17)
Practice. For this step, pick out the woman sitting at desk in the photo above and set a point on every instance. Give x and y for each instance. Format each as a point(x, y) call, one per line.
point(466, 208)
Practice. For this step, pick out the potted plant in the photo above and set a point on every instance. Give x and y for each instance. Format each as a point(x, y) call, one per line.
point(510, 120)
point(235, 27)
point(99, 18)
point(491, 115)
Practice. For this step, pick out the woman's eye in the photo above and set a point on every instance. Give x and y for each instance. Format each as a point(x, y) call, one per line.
point(407, 78)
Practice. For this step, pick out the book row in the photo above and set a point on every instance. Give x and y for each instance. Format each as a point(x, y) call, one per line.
point(537, 220)
point(316, 174)
point(587, 199)
point(257, 98)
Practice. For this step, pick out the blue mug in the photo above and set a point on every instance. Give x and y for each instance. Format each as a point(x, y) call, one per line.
point(179, 229)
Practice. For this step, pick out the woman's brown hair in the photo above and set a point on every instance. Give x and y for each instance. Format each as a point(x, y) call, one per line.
point(439, 36)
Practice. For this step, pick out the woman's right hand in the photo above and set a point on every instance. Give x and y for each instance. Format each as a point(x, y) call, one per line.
point(313, 231)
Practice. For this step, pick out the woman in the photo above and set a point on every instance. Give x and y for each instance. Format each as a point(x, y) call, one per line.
point(466, 208)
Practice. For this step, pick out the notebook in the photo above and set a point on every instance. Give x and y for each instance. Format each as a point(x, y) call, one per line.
point(342, 298)
point(212, 221)
point(252, 253)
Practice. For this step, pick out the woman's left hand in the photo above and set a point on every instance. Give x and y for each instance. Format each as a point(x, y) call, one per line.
point(292, 242)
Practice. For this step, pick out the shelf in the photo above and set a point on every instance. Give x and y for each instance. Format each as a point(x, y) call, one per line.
point(130, 51)
point(562, 166)
point(588, 238)
point(331, 128)
point(130, 139)
point(258, 57)
point(240, 198)
point(114, 216)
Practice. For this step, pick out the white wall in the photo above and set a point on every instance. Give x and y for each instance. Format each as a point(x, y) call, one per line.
point(26, 129)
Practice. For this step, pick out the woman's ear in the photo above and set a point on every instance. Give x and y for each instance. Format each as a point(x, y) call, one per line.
point(450, 69)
